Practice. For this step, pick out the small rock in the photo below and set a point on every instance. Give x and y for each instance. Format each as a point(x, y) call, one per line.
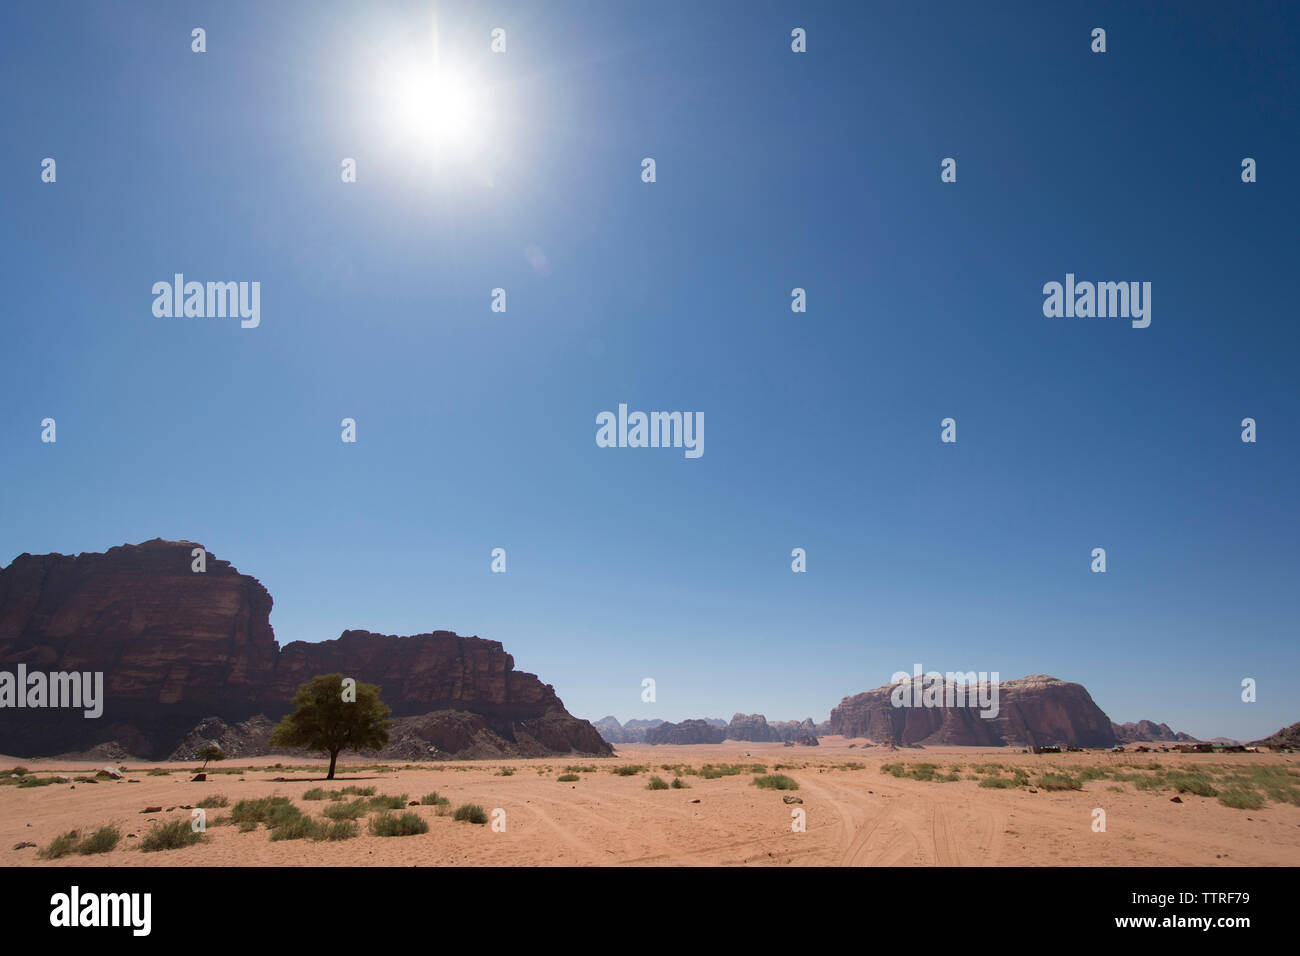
point(693, 801)
point(198, 778)
point(109, 772)
point(133, 781)
point(1175, 799)
point(791, 798)
point(414, 803)
point(1032, 790)
point(152, 810)
point(22, 846)
point(187, 806)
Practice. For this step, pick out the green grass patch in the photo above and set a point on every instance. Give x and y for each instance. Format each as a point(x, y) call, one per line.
point(346, 811)
point(1240, 798)
point(657, 783)
point(169, 836)
point(61, 846)
point(776, 781)
point(470, 812)
point(433, 800)
point(1058, 781)
point(397, 824)
point(568, 778)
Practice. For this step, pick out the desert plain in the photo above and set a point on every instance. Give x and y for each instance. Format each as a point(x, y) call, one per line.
point(862, 806)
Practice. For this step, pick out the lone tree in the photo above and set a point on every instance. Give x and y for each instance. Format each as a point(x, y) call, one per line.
point(331, 715)
point(210, 752)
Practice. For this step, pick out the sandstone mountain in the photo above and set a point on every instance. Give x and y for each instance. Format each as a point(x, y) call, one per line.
point(1147, 730)
point(179, 648)
point(687, 732)
point(1034, 710)
point(1288, 738)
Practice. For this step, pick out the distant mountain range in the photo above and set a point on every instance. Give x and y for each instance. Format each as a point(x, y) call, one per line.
point(709, 730)
point(1034, 710)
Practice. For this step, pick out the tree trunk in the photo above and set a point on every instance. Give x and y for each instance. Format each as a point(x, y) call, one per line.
point(334, 756)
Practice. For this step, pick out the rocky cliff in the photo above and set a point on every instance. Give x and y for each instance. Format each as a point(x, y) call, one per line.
point(177, 646)
point(1035, 710)
point(1148, 730)
point(686, 732)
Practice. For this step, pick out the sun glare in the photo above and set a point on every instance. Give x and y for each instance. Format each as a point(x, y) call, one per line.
point(434, 109)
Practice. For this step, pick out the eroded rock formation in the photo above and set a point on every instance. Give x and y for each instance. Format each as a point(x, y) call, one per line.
point(179, 647)
point(1035, 710)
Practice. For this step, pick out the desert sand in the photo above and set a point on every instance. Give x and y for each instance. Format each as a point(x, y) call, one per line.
point(854, 817)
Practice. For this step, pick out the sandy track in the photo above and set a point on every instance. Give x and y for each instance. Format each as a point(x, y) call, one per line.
point(855, 817)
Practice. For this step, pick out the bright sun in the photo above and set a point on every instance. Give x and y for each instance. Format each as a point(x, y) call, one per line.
point(434, 109)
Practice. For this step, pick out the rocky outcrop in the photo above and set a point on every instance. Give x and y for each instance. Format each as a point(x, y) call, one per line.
point(1146, 730)
point(179, 647)
point(687, 732)
point(801, 732)
point(633, 732)
point(1288, 738)
point(751, 727)
point(1036, 710)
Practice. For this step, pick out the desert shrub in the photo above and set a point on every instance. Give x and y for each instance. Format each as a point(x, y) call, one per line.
point(346, 811)
point(385, 802)
point(159, 772)
point(433, 800)
point(317, 793)
point(776, 781)
point(1058, 781)
point(359, 791)
point(1240, 798)
point(338, 830)
point(998, 783)
point(213, 802)
point(169, 836)
point(60, 846)
point(301, 827)
point(1278, 783)
point(628, 770)
point(27, 782)
point(471, 812)
point(506, 772)
point(567, 778)
point(1197, 783)
point(679, 785)
point(247, 826)
point(393, 825)
point(268, 810)
point(657, 783)
point(103, 840)
point(579, 768)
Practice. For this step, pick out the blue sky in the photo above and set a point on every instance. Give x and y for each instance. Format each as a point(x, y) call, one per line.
point(476, 429)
